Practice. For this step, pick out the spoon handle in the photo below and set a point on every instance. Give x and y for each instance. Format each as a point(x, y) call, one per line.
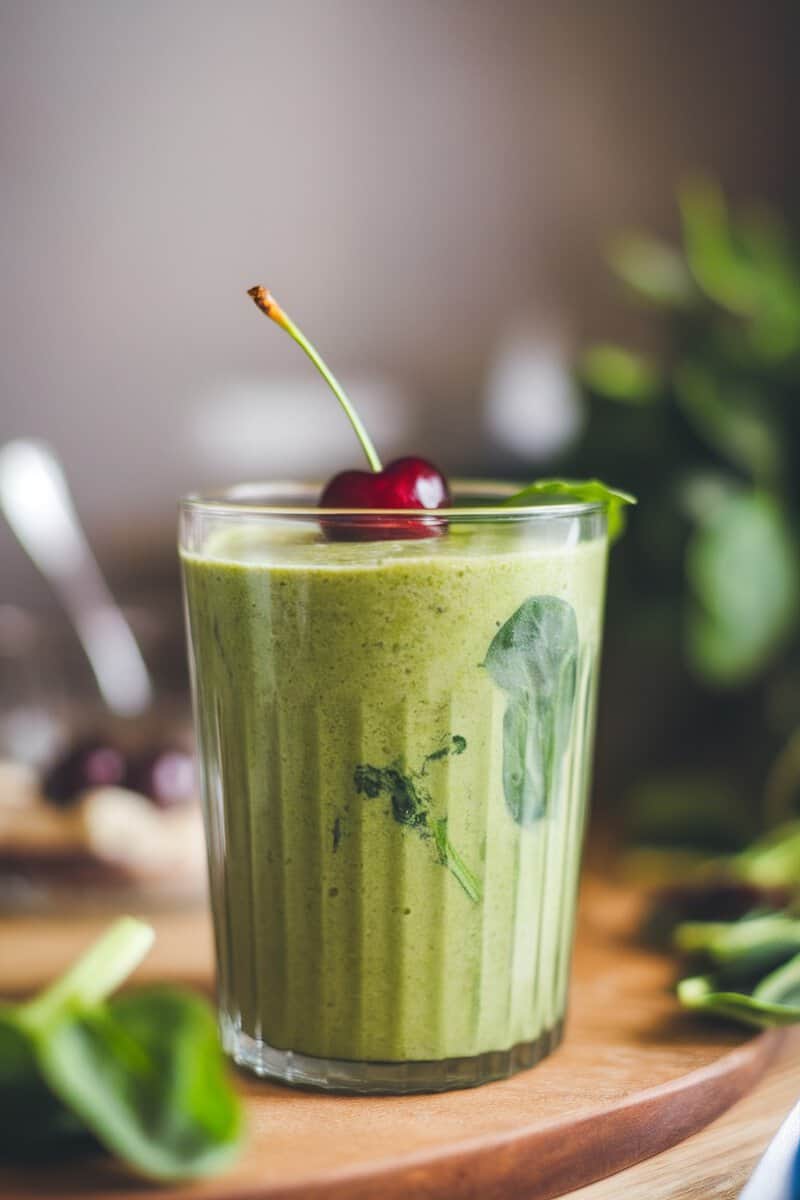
point(36, 501)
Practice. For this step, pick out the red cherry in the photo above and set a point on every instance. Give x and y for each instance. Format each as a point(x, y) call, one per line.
point(404, 483)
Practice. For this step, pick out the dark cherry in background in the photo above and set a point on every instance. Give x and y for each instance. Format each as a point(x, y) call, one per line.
point(90, 764)
point(406, 483)
point(166, 775)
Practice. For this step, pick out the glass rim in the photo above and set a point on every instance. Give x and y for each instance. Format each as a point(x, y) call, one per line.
point(252, 499)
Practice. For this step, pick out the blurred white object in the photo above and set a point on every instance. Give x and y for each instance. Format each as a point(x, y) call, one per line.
point(777, 1175)
point(30, 727)
point(126, 829)
point(36, 501)
point(532, 407)
point(19, 785)
point(288, 426)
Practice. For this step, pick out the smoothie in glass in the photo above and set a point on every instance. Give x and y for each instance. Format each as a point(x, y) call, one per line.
point(394, 685)
point(396, 745)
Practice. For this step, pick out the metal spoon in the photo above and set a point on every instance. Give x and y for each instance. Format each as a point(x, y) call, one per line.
point(35, 499)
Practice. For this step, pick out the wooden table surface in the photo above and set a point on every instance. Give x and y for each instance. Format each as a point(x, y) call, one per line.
point(635, 1074)
point(715, 1163)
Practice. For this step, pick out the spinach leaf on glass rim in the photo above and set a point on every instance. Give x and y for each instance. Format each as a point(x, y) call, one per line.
point(589, 491)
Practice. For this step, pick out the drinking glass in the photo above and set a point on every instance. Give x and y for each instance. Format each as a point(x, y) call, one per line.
point(395, 715)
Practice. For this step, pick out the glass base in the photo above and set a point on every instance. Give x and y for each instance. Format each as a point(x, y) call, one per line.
point(398, 1078)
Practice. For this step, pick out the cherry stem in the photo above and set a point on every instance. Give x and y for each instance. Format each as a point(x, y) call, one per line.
point(270, 307)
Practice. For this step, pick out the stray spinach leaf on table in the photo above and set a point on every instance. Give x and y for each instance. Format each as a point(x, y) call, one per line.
point(141, 1075)
point(748, 969)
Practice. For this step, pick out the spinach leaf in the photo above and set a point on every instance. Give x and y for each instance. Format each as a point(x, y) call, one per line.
point(145, 1074)
point(34, 1125)
point(700, 992)
point(533, 657)
point(755, 976)
point(412, 805)
point(450, 858)
point(741, 951)
point(590, 491)
point(141, 1076)
point(782, 986)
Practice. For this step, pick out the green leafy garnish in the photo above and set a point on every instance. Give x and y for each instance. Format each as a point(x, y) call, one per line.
point(142, 1075)
point(589, 491)
point(534, 659)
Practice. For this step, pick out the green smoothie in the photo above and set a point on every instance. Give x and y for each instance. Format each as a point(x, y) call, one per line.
point(396, 744)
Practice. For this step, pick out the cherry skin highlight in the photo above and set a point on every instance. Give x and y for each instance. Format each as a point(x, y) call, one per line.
point(402, 484)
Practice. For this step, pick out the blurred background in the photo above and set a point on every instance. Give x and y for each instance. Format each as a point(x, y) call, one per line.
point(533, 238)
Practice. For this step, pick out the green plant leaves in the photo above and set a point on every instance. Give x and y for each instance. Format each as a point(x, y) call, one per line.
point(33, 1123)
point(742, 572)
point(653, 269)
point(741, 949)
point(773, 861)
point(755, 968)
point(146, 1075)
point(141, 1076)
point(412, 805)
point(731, 418)
point(747, 266)
point(587, 491)
point(700, 992)
point(534, 659)
point(711, 251)
point(782, 987)
point(620, 374)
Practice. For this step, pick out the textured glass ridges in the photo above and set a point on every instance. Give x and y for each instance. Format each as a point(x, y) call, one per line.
point(365, 1078)
point(457, 989)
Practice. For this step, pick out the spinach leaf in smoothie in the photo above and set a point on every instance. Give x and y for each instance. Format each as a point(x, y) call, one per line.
point(533, 658)
point(450, 858)
point(412, 805)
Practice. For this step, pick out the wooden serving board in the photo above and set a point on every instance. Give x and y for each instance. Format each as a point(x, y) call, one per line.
point(634, 1076)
